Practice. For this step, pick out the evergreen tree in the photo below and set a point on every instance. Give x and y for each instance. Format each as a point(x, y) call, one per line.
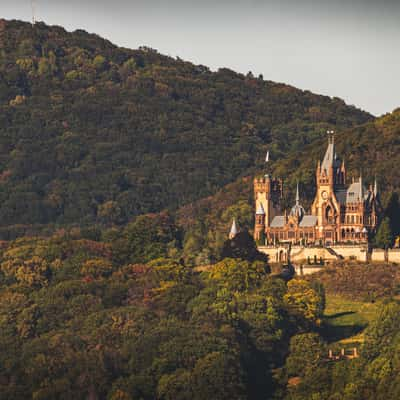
point(384, 236)
point(393, 213)
point(242, 246)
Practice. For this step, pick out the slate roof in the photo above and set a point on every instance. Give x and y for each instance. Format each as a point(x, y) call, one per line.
point(330, 158)
point(278, 221)
point(354, 193)
point(308, 221)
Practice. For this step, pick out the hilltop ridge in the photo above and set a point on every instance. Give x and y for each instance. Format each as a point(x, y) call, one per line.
point(94, 133)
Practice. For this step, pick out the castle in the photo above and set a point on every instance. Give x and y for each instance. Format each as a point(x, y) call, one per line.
point(341, 214)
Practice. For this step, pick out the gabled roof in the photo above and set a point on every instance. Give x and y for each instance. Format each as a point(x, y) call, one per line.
point(355, 193)
point(308, 221)
point(278, 221)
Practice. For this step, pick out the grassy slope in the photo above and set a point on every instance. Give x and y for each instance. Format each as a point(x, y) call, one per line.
point(346, 319)
point(354, 293)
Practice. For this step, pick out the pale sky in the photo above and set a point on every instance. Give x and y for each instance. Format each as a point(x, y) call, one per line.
point(344, 48)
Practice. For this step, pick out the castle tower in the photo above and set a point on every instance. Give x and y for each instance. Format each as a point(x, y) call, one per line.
point(330, 177)
point(267, 195)
point(259, 227)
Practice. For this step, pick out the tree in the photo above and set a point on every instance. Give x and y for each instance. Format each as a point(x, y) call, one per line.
point(384, 236)
point(304, 301)
point(96, 268)
point(393, 213)
point(242, 246)
point(306, 353)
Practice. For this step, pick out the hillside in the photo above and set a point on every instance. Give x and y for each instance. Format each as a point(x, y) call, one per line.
point(93, 133)
point(373, 148)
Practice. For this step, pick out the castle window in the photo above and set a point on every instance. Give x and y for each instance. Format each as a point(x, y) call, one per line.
point(291, 235)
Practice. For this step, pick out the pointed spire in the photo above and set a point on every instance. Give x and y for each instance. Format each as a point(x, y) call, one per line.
point(376, 187)
point(234, 229)
point(330, 155)
point(361, 186)
point(297, 195)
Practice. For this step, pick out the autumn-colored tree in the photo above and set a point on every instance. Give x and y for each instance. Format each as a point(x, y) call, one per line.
point(302, 299)
point(97, 268)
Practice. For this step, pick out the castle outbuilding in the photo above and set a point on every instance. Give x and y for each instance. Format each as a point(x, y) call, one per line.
point(341, 213)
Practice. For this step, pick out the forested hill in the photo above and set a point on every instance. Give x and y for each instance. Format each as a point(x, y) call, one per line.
point(372, 148)
point(93, 133)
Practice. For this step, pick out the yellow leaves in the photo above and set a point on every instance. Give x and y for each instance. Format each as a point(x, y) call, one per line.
point(303, 299)
point(18, 100)
point(164, 286)
point(236, 275)
point(120, 395)
point(32, 272)
point(96, 268)
point(26, 64)
point(123, 324)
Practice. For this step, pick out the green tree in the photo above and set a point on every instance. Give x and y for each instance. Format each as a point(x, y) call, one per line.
point(307, 352)
point(244, 247)
point(305, 301)
point(384, 235)
point(393, 213)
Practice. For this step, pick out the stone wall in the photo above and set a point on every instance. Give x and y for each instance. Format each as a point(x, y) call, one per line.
point(360, 253)
point(352, 252)
point(303, 254)
point(378, 255)
point(394, 256)
point(275, 253)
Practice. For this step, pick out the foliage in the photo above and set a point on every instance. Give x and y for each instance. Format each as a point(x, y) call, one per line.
point(79, 322)
point(93, 133)
point(242, 246)
point(384, 235)
point(305, 301)
point(362, 282)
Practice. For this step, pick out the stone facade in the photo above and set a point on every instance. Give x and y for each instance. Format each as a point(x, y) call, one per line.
point(341, 214)
point(303, 254)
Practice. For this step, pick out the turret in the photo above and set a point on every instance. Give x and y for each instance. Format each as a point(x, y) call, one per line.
point(259, 228)
point(267, 194)
point(234, 230)
point(297, 210)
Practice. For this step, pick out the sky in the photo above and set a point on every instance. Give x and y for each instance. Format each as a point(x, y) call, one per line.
point(344, 48)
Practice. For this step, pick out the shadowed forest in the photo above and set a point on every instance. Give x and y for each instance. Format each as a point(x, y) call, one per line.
point(120, 173)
